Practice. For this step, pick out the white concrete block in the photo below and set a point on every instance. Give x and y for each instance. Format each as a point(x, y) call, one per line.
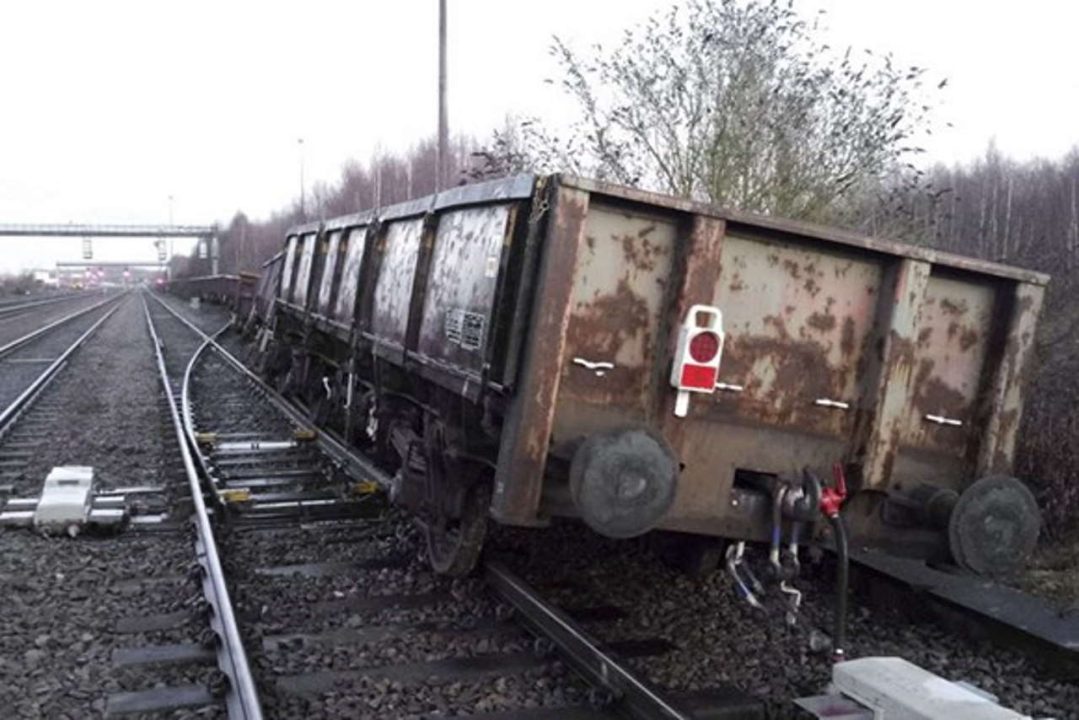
point(899, 690)
point(65, 497)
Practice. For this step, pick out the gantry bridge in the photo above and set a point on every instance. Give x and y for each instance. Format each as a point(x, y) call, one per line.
point(206, 234)
point(80, 230)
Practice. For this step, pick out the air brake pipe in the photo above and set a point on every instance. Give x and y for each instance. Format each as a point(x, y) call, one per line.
point(831, 502)
point(777, 531)
point(839, 634)
point(734, 560)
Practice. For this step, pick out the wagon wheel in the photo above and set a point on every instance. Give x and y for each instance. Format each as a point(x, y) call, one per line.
point(454, 544)
point(994, 526)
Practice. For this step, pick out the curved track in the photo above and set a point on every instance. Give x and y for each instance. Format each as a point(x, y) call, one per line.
point(348, 622)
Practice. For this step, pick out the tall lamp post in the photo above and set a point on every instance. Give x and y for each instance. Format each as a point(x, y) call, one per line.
point(303, 204)
point(442, 159)
point(172, 246)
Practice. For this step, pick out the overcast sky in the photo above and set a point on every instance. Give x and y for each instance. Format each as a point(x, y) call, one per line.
point(108, 108)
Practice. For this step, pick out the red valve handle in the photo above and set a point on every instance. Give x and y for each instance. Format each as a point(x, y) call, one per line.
point(831, 498)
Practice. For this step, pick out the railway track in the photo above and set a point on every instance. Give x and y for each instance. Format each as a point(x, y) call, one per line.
point(330, 604)
point(62, 648)
point(32, 360)
point(19, 321)
point(334, 611)
point(14, 306)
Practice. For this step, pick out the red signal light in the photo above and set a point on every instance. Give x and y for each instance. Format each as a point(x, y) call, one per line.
point(704, 347)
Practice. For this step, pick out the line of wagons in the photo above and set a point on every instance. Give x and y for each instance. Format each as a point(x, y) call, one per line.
point(534, 347)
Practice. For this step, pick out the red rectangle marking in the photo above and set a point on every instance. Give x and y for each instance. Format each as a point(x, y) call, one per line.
point(699, 377)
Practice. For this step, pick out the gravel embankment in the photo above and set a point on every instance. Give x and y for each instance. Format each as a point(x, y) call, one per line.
point(720, 639)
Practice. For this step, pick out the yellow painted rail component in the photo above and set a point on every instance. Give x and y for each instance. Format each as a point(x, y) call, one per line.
point(235, 495)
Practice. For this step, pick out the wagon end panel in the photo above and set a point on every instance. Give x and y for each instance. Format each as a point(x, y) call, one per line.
point(940, 423)
point(974, 335)
point(800, 328)
point(799, 319)
point(614, 340)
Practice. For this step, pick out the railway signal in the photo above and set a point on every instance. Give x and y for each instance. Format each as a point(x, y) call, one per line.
point(697, 357)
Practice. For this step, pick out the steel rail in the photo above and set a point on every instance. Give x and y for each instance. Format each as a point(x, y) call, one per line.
point(188, 419)
point(353, 464)
point(19, 342)
point(242, 699)
point(636, 696)
point(11, 308)
point(15, 408)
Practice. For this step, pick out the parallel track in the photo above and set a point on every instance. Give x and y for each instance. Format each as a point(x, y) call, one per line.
point(26, 395)
point(15, 307)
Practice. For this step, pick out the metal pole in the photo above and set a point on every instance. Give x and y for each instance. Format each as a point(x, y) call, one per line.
point(303, 205)
point(443, 125)
point(172, 247)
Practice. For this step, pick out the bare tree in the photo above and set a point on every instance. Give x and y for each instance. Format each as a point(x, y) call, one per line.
point(737, 103)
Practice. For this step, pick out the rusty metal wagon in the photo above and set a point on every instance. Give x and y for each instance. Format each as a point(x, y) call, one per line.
point(556, 346)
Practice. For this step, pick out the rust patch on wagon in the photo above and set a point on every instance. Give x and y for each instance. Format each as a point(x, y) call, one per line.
point(641, 253)
point(935, 397)
point(954, 308)
point(609, 321)
point(783, 376)
point(846, 341)
point(968, 339)
point(822, 322)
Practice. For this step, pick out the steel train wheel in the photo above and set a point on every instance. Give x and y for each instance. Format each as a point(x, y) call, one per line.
point(994, 526)
point(454, 545)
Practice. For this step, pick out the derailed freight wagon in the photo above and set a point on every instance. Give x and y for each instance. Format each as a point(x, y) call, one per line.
point(544, 346)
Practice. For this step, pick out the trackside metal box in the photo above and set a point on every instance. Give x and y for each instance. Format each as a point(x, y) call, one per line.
point(66, 497)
